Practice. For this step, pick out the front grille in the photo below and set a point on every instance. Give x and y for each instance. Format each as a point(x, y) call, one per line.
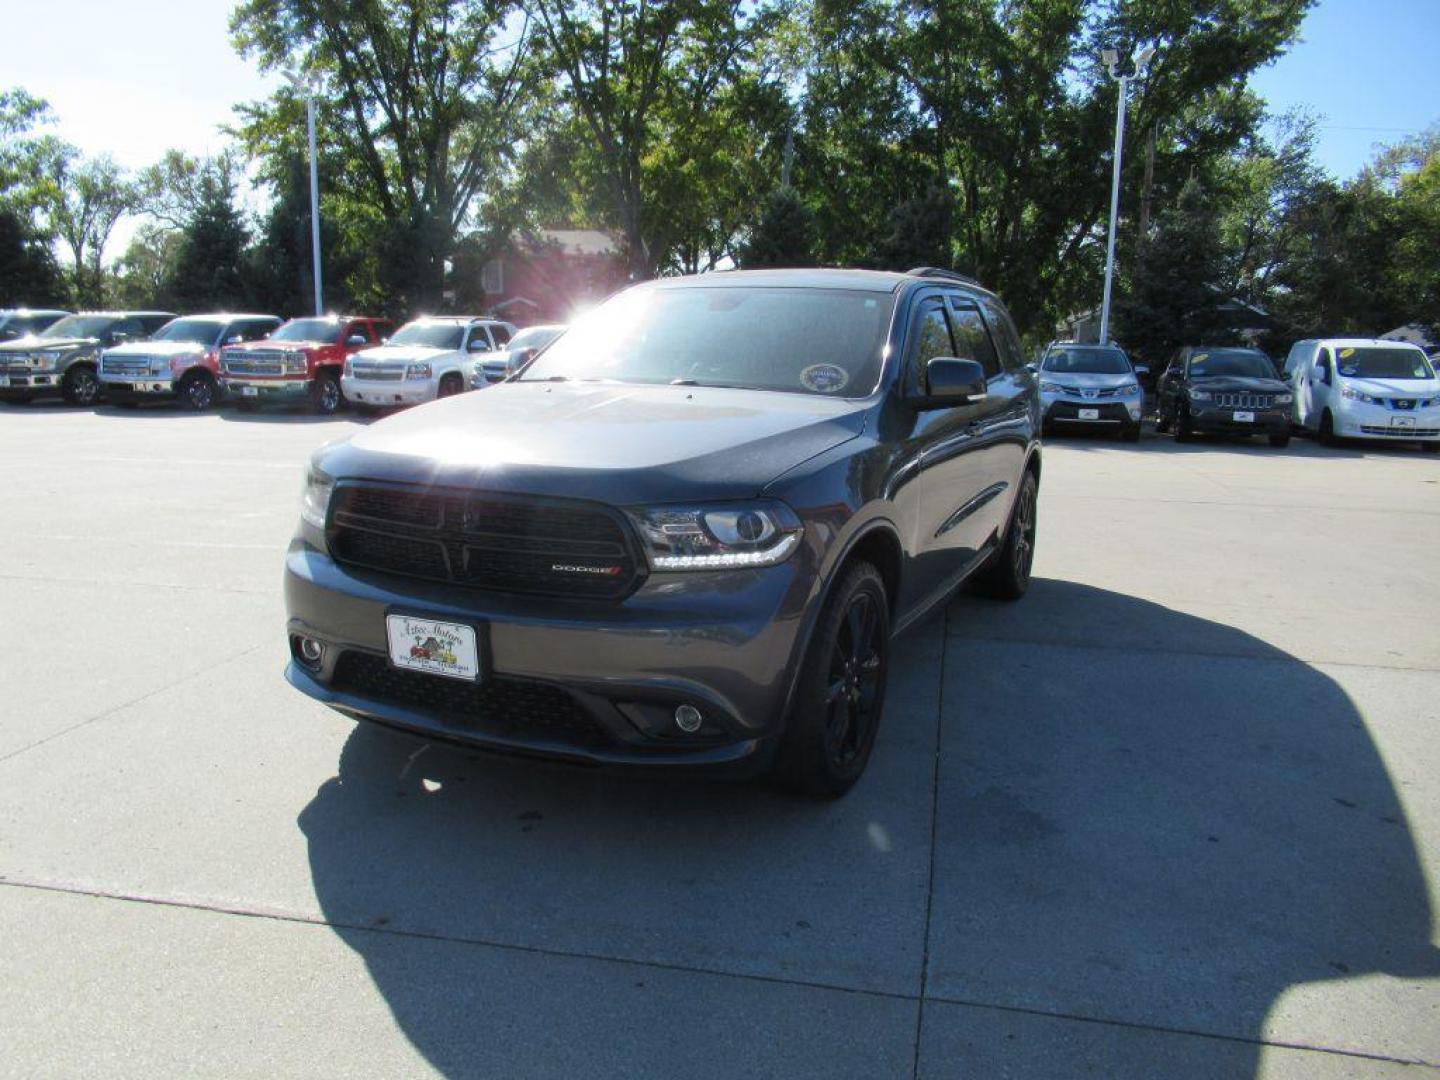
point(1403, 404)
point(512, 708)
point(16, 364)
point(1400, 432)
point(1070, 410)
point(254, 362)
point(500, 543)
point(378, 372)
point(127, 365)
point(1245, 401)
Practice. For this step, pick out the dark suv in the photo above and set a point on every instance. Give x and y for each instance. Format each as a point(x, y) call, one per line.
point(683, 536)
point(62, 358)
point(1223, 391)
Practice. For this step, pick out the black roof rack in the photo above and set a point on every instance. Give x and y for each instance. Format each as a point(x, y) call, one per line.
point(941, 272)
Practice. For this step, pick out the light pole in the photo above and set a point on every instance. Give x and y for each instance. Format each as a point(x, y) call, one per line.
point(1111, 58)
point(308, 86)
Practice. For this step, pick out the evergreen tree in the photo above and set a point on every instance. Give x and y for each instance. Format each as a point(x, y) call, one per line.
point(28, 274)
point(209, 274)
point(784, 235)
point(1179, 282)
point(918, 231)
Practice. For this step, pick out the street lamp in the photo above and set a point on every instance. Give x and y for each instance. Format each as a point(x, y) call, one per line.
point(308, 86)
point(1138, 63)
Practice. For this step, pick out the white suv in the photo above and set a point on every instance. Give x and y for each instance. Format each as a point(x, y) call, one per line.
point(426, 359)
point(1365, 388)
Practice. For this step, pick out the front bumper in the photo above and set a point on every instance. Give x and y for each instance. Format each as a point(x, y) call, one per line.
point(32, 384)
point(388, 391)
point(137, 387)
point(1112, 413)
point(608, 676)
point(1219, 420)
point(1365, 421)
point(266, 389)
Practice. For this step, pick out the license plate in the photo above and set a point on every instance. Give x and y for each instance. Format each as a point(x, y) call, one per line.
point(1245, 417)
point(249, 391)
point(1402, 421)
point(1089, 414)
point(434, 647)
point(139, 387)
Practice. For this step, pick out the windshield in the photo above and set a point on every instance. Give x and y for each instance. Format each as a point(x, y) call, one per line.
point(308, 330)
point(199, 331)
point(1383, 362)
point(1096, 360)
point(79, 326)
point(431, 335)
point(536, 337)
point(1246, 363)
point(811, 341)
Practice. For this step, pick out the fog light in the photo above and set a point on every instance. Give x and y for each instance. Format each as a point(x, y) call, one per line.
point(311, 651)
point(688, 719)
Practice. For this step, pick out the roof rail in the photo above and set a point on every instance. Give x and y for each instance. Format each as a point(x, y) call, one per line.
point(941, 272)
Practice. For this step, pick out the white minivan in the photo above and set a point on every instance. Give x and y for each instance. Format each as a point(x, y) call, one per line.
point(1365, 388)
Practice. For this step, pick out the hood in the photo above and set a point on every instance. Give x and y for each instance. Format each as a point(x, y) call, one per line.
point(619, 443)
point(1252, 383)
point(157, 348)
point(1393, 387)
point(48, 344)
point(397, 354)
point(1083, 379)
point(289, 346)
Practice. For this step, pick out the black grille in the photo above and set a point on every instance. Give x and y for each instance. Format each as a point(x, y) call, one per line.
point(1245, 401)
point(512, 544)
point(1070, 410)
point(505, 707)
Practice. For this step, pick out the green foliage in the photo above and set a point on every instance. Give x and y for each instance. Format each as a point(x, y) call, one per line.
point(28, 274)
point(209, 271)
point(86, 198)
point(1178, 284)
point(784, 235)
point(919, 232)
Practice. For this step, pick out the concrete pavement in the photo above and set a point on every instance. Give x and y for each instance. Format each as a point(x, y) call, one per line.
point(1174, 814)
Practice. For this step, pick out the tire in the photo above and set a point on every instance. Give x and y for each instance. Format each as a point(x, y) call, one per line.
point(80, 386)
point(1007, 575)
point(1279, 441)
point(450, 385)
point(1183, 431)
point(831, 728)
point(198, 391)
point(326, 397)
point(1327, 434)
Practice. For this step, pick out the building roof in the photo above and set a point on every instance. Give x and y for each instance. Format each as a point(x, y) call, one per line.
point(580, 241)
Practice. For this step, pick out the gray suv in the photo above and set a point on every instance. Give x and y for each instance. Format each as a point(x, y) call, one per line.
point(686, 534)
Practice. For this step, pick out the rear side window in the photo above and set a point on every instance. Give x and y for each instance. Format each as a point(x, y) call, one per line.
point(1011, 352)
point(932, 339)
point(499, 334)
point(972, 340)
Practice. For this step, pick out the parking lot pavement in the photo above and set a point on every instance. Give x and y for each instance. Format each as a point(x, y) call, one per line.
point(1175, 814)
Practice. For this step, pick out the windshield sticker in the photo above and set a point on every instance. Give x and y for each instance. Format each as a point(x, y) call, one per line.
point(1200, 358)
point(824, 378)
point(1346, 353)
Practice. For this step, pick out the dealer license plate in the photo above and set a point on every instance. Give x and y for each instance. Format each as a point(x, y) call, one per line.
point(139, 387)
point(434, 647)
point(1402, 421)
point(249, 391)
point(1245, 417)
point(1089, 414)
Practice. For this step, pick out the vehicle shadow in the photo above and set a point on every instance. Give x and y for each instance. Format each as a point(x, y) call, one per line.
point(1178, 855)
point(1153, 442)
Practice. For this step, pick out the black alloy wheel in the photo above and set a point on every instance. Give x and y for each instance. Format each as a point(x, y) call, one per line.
point(325, 394)
point(80, 386)
point(450, 385)
point(1007, 575)
point(832, 726)
point(197, 391)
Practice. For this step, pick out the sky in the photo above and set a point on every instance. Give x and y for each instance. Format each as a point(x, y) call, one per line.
point(138, 78)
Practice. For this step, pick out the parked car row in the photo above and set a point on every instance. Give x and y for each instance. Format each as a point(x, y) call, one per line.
point(1332, 388)
point(129, 357)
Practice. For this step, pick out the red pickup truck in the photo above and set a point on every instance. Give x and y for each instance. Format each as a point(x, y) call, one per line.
point(301, 361)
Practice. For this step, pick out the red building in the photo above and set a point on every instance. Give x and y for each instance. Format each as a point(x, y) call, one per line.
point(549, 276)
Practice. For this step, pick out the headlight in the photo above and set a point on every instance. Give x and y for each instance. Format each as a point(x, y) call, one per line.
point(1053, 388)
point(315, 499)
point(717, 537)
point(1200, 395)
point(295, 363)
point(1130, 390)
point(1356, 395)
point(1284, 399)
point(417, 371)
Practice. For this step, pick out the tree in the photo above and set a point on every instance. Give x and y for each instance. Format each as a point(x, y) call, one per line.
point(28, 274)
point(1178, 283)
point(144, 271)
point(919, 232)
point(209, 268)
point(784, 235)
point(87, 199)
point(420, 107)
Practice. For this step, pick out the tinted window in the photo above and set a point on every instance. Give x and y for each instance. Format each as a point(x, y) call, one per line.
point(131, 328)
point(534, 337)
point(972, 340)
point(1086, 359)
point(150, 323)
point(195, 331)
point(254, 329)
point(499, 334)
point(804, 340)
point(1383, 362)
point(932, 339)
point(430, 335)
point(79, 326)
point(327, 330)
point(1011, 352)
point(1247, 363)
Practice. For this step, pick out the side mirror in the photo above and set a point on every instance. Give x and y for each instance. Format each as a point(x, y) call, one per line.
point(478, 344)
point(1142, 369)
point(1032, 368)
point(357, 339)
point(951, 381)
